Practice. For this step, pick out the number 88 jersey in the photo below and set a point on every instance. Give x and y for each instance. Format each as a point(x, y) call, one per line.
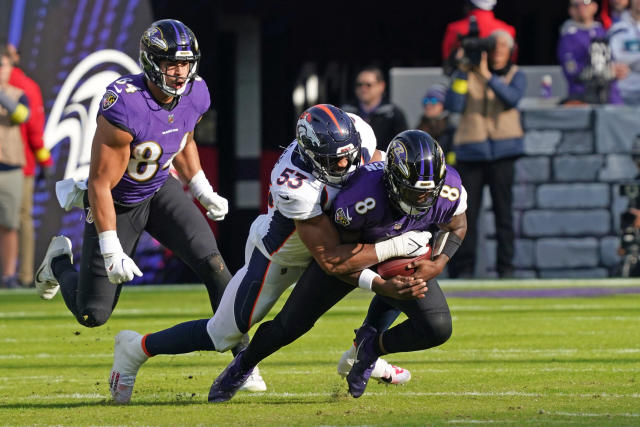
point(159, 133)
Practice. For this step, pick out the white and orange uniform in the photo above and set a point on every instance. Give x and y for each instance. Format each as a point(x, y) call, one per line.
point(275, 256)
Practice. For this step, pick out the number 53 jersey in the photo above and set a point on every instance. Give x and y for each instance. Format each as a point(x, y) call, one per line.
point(159, 134)
point(294, 194)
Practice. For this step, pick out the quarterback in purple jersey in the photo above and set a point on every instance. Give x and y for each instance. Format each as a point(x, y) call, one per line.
point(412, 190)
point(145, 124)
point(329, 146)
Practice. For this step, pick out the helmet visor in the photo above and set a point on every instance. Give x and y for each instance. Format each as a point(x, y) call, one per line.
point(421, 197)
point(335, 167)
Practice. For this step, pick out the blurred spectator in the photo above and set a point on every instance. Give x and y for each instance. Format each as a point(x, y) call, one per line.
point(487, 142)
point(13, 111)
point(435, 119)
point(629, 249)
point(34, 151)
point(585, 57)
point(611, 11)
point(482, 12)
point(624, 39)
point(386, 119)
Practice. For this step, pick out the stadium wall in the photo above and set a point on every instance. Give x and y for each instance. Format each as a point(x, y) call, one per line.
point(566, 197)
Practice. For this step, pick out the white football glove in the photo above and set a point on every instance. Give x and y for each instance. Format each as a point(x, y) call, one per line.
point(216, 205)
point(409, 244)
point(120, 268)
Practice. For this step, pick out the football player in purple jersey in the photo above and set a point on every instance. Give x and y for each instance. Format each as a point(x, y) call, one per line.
point(329, 146)
point(413, 190)
point(145, 124)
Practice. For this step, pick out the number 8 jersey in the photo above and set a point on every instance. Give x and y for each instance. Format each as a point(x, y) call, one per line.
point(363, 206)
point(295, 194)
point(159, 134)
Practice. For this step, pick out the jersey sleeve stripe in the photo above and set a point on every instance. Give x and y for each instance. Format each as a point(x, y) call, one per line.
point(280, 230)
point(257, 297)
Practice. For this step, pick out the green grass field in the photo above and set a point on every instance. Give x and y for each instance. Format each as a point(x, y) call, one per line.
point(510, 361)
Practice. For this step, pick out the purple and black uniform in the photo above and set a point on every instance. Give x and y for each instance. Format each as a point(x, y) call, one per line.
point(363, 207)
point(158, 134)
point(146, 199)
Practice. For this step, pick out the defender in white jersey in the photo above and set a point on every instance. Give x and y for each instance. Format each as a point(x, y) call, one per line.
point(281, 243)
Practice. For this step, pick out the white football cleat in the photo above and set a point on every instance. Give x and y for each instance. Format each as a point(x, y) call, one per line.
point(254, 383)
point(384, 372)
point(128, 356)
point(46, 283)
point(391, 374)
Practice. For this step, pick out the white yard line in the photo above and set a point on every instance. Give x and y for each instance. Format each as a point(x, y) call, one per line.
point(407, 394)
point(444, 283)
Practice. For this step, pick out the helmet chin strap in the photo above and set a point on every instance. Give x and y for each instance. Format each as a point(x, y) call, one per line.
point(170, 91)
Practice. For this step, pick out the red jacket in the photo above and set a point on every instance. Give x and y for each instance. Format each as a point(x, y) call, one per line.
point(487, 23)
point(33, 129)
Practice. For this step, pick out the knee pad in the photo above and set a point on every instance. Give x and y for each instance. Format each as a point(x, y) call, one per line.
point(213, 265)
point(93, 317)
point(213, 271)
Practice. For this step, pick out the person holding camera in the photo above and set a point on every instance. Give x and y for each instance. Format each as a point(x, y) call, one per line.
point(584, 54)
point(487, 142)
point(479, 11)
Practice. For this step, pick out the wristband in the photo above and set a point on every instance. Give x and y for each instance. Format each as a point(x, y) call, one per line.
point(199, 184)
point(365, 280)
point(109, 242)
point(447, 243)
point(8, 103)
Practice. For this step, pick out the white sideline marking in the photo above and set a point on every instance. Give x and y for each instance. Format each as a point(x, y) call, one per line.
point(330, 353)
point(409, 394)
point(67, 396)
point(589, 414)
point(444, 284)
point(194, 312)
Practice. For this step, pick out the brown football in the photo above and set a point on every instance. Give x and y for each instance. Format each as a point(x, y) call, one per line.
point(398, 266)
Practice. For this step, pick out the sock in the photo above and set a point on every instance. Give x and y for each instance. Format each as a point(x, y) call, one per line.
point(182, 338)
point(60, 264)
point(374, 345)
point(244, 342)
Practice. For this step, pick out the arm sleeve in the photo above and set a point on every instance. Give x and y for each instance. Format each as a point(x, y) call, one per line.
point(512, 93)
point(299, 204)
point(114, 109)
point(35, 125)
point(571, 67)
point(462, 204)
point(448, 42)
point(18, 111)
